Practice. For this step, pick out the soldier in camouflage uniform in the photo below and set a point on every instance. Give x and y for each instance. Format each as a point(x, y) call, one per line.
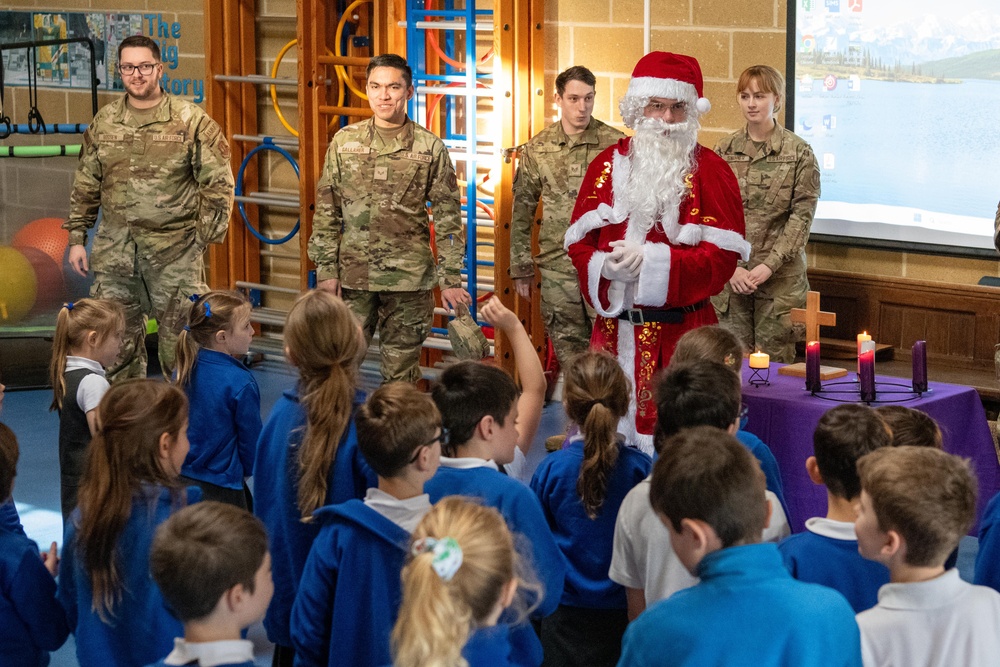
point(550, 168)
point(371, 232)
point(779, 181)
point(159, 170)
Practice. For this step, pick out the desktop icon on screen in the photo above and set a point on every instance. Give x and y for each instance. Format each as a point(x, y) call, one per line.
point(832, 6)
point(854, 82)
point(829, 82)
point(829, 161)
point(854, 5)
point(830, 121)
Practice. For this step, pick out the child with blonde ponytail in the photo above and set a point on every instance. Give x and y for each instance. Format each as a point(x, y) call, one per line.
point(462, 573)
point(224, 396)
point(307, 454)
point(581, 488)
point(87, 341)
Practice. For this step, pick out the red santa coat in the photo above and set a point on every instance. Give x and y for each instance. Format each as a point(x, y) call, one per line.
point(685, 261)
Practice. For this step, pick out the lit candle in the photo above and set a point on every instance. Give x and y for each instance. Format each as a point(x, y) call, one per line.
point(812, 367)
point(919, 355)
point(866, 371)
point(760, 360)
point(862, 338)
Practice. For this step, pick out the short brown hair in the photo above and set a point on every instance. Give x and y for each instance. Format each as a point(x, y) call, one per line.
point(768, 79)
point(706, 474)
point(926, 495)
point(710, 342)
point(696, 393)
point(845, 434)
point(575, 73)
point(9, 453)
point(201, 552)
point(396, 421)
point(910, 427)
point(139, 42)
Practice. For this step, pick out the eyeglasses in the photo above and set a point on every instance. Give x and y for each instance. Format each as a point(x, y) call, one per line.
point(677, 108)
point(444, 437)
point(128, 69)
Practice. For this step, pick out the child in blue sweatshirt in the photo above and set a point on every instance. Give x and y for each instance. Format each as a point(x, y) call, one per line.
point(224, 397)
point(708, 491)
point(827, 552)
point(129, 488)
point(349, 594)
point(32, 622)
point(463, 572)
point(211, 563)
point(581, 488)
point(307, 455)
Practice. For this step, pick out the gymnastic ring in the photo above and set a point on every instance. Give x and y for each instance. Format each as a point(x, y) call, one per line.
point(239, 192)
point(5, 123)
point(274, 91)
point(341, 70)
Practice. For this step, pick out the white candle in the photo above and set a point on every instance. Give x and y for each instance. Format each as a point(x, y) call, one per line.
point(760, 360)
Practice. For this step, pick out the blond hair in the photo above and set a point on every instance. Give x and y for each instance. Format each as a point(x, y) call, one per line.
point(207, 315)
point(73, 323)
point(712, 343)
point(324, 343)
point(597, 395)
point(436, 616)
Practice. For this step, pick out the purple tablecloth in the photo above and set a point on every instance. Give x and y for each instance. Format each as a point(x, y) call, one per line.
point(784, 415)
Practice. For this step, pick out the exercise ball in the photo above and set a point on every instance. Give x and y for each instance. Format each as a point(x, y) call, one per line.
point(18, 286)
point(50, 289)
point(45, 234)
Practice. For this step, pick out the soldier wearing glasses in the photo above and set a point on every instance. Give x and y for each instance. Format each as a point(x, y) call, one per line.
point(158, 168)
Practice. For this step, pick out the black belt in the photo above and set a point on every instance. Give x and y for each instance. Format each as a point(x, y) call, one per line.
point(664, 315)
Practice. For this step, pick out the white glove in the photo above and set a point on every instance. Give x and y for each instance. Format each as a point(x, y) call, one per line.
point(624, 262)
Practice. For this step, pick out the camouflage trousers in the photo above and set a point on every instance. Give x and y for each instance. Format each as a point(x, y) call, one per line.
point(151, 291)
point(403, 321)
point(564, 312)
point(762, 320)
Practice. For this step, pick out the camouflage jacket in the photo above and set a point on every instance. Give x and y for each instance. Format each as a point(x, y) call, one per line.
point(163, 182)
point(551, 167)
point(780, 188)
point(371, 229)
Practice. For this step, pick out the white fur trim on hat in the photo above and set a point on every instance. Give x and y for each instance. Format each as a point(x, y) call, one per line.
point(669, 89)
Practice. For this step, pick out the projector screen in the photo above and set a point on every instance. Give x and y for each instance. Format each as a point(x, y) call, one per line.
point(900, 100)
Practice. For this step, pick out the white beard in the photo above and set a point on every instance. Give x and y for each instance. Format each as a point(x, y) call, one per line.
point(661, 156)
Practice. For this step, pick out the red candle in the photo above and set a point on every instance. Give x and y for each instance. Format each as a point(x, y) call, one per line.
point(919, 355)
point(813, 382)
point(866, 372)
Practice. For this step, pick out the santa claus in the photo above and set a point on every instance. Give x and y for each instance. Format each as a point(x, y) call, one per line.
point(657, 229)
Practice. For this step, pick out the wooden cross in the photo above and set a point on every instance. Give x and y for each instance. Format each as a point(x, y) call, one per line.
point(813, 317)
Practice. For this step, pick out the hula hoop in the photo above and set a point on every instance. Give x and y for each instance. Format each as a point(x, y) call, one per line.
point(341, 70)
point(433, 41)
point(267, 146)
point(274, 91)
point(39, 151)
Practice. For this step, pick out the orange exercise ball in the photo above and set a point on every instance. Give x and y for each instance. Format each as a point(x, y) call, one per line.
point(18, 286)
point(45, 234)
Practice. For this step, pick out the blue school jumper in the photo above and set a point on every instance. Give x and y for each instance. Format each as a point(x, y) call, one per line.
point(488, 647)
point(223, 422)
point(142, 630)
point(763, 453)
point(276, 499)
point(747, 610)
point(524, 516)
point(350, 590)
point(988, 560)
point(248, 663)
point(32, 622)
point(586, 543)
point(9, 518)
point(827, 553)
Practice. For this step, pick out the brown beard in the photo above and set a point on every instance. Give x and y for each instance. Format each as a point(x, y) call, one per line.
point(661, 155)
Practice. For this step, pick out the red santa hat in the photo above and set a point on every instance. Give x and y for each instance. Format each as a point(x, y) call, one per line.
point(672, 76)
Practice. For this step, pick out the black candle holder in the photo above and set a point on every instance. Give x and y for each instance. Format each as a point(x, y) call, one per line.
point(885, 392)
point(760, 377)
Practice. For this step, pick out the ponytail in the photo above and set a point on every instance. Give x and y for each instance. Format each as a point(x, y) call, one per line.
point(596, 398)
point(73, 323)
point(325, 344)
point(208, 314)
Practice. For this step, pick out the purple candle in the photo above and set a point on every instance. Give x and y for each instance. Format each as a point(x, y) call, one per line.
point(919, 356)
point(813, 383)
point(866, 373)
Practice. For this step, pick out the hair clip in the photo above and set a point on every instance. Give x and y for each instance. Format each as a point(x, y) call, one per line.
point(194, 298)
point(446, 555)
point(69, 306)
point(208, 310)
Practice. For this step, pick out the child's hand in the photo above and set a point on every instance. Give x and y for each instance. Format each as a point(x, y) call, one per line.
point(51, 560)
point(499, 315)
